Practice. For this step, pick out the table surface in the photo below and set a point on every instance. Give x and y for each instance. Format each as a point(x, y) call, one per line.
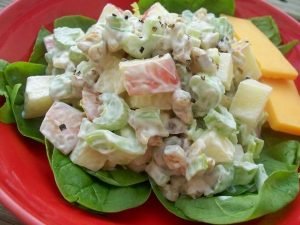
point(290, 6)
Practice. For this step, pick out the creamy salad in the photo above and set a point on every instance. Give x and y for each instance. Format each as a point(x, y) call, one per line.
point(174, 95)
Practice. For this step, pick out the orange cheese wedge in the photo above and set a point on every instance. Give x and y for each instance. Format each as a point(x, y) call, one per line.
point(271, 61)
point(283, 106)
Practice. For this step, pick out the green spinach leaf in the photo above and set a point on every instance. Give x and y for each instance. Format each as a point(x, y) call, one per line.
point(39, 49)
point(49, 150)
point(286, 48)
point(119, 176)
point(3, 65)
point(17, 73)
point(75, 22)
point(6, 114)
point(177, 6)
point(79, 187)
point(269, 27)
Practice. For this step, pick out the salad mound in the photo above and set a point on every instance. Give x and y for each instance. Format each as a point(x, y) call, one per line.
point(174, 99)
point(161, 92)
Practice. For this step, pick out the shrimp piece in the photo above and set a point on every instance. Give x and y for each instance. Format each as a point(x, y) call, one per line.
point(174, 157)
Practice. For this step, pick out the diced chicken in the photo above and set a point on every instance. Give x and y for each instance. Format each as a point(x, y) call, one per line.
point(90, 103)
point(182, 105)
point(61, 126)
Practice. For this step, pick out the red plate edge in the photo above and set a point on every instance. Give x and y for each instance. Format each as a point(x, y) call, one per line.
point(12, 203)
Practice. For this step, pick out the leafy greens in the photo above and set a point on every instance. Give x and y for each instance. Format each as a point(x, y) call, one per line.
point(77, 186)
point(39, 49)
point(269, 27)
point(6, 114)
point(177, 6)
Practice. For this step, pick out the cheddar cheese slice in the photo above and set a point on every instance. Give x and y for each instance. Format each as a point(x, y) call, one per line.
point(272, 63)
point(283, 106)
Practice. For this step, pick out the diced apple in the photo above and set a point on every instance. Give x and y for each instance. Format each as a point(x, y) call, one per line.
point(162, 101)
point(87, 157)
point(37, 99)
point(108, 10)
point(249, 101)
point(225, 71)
point(250, 68)
point(150, 76)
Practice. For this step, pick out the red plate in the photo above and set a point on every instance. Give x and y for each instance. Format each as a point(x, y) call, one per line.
point(27, 187)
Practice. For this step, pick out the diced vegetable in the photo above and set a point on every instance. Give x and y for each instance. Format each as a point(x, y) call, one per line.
point(66, 87)
point(76, 55)
point(223, 175)
point(222, 121)
point(37, 99)
point(66, 37)
point(249, 67)
point(246, 107)
point(214, 146)
point(225, 70)
point(161, 101)
point(147, 123)
point(207, 91)
point(87, 157)
point(119, 150)
point(158, 174)
point(195, 165)
point(114, 112)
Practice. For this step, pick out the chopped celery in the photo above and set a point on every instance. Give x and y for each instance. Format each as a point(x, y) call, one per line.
point(114, 114)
